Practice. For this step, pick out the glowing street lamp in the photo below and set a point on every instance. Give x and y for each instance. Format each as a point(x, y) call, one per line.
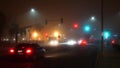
point(92, 18)
point(35, 35)
point(32, 10)
point(56, 34)
point(33, 13)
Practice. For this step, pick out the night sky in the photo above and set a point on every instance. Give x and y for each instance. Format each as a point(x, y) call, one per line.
point(70, 10)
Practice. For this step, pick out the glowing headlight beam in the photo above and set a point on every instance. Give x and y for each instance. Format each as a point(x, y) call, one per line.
point(71, 42)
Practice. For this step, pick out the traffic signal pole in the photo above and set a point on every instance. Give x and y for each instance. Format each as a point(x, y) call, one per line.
point(102, 30)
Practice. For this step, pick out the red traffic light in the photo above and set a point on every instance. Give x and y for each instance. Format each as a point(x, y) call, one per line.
point(75, 25)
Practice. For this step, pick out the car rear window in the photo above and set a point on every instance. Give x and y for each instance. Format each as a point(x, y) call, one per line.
point(27, 45)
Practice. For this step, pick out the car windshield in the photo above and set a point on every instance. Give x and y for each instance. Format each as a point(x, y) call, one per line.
point(71, 33)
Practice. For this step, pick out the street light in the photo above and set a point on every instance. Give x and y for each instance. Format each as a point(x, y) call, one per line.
point(92, 18)
point(32, 10)
point(56, 34)
point(35, 35)
point(33, 13)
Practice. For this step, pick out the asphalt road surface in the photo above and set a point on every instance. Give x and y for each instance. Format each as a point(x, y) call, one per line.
point(111, 57)
point(57, 57)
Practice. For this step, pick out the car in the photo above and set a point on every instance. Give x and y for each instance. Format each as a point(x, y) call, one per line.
point(27, 50)
point(115, 41)
point(71, 42)
point(82, 42)
point(54, 42)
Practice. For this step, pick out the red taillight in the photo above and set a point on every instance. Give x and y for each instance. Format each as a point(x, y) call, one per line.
point(12, 51)
point(113, 41)
point(84, 42)
point(29, 51)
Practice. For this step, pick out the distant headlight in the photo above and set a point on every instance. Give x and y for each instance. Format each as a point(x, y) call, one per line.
point(71, 42)
point(80, 41)
point(54, 42)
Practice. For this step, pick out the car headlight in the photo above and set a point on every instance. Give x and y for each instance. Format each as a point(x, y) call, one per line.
point(54, 42)
point(71, 42)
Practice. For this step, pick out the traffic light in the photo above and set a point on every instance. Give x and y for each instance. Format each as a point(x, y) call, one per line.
point(87, 28)
point(75, 25)
point(106, 34)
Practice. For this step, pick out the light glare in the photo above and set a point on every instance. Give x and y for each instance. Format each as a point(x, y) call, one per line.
point(71, 42)
point(32, 10)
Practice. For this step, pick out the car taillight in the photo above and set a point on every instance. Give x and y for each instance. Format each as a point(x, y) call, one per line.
point(29, 51)
point(84, 42)
point(11, 50)
point(113, 41)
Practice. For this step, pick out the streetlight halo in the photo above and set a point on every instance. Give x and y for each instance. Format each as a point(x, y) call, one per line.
point(32, 10)
point(92, 18)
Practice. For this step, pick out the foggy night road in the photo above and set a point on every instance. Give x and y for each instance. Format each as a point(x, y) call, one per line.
point(60, 27)
point(58, 57)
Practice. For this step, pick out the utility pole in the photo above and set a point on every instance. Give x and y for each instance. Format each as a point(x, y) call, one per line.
point(100, 56)
point(102, 28)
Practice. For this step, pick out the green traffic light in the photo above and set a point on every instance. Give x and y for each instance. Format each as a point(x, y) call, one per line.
point(87, 28)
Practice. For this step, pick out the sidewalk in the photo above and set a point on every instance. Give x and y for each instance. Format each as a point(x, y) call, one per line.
point(111, 58)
